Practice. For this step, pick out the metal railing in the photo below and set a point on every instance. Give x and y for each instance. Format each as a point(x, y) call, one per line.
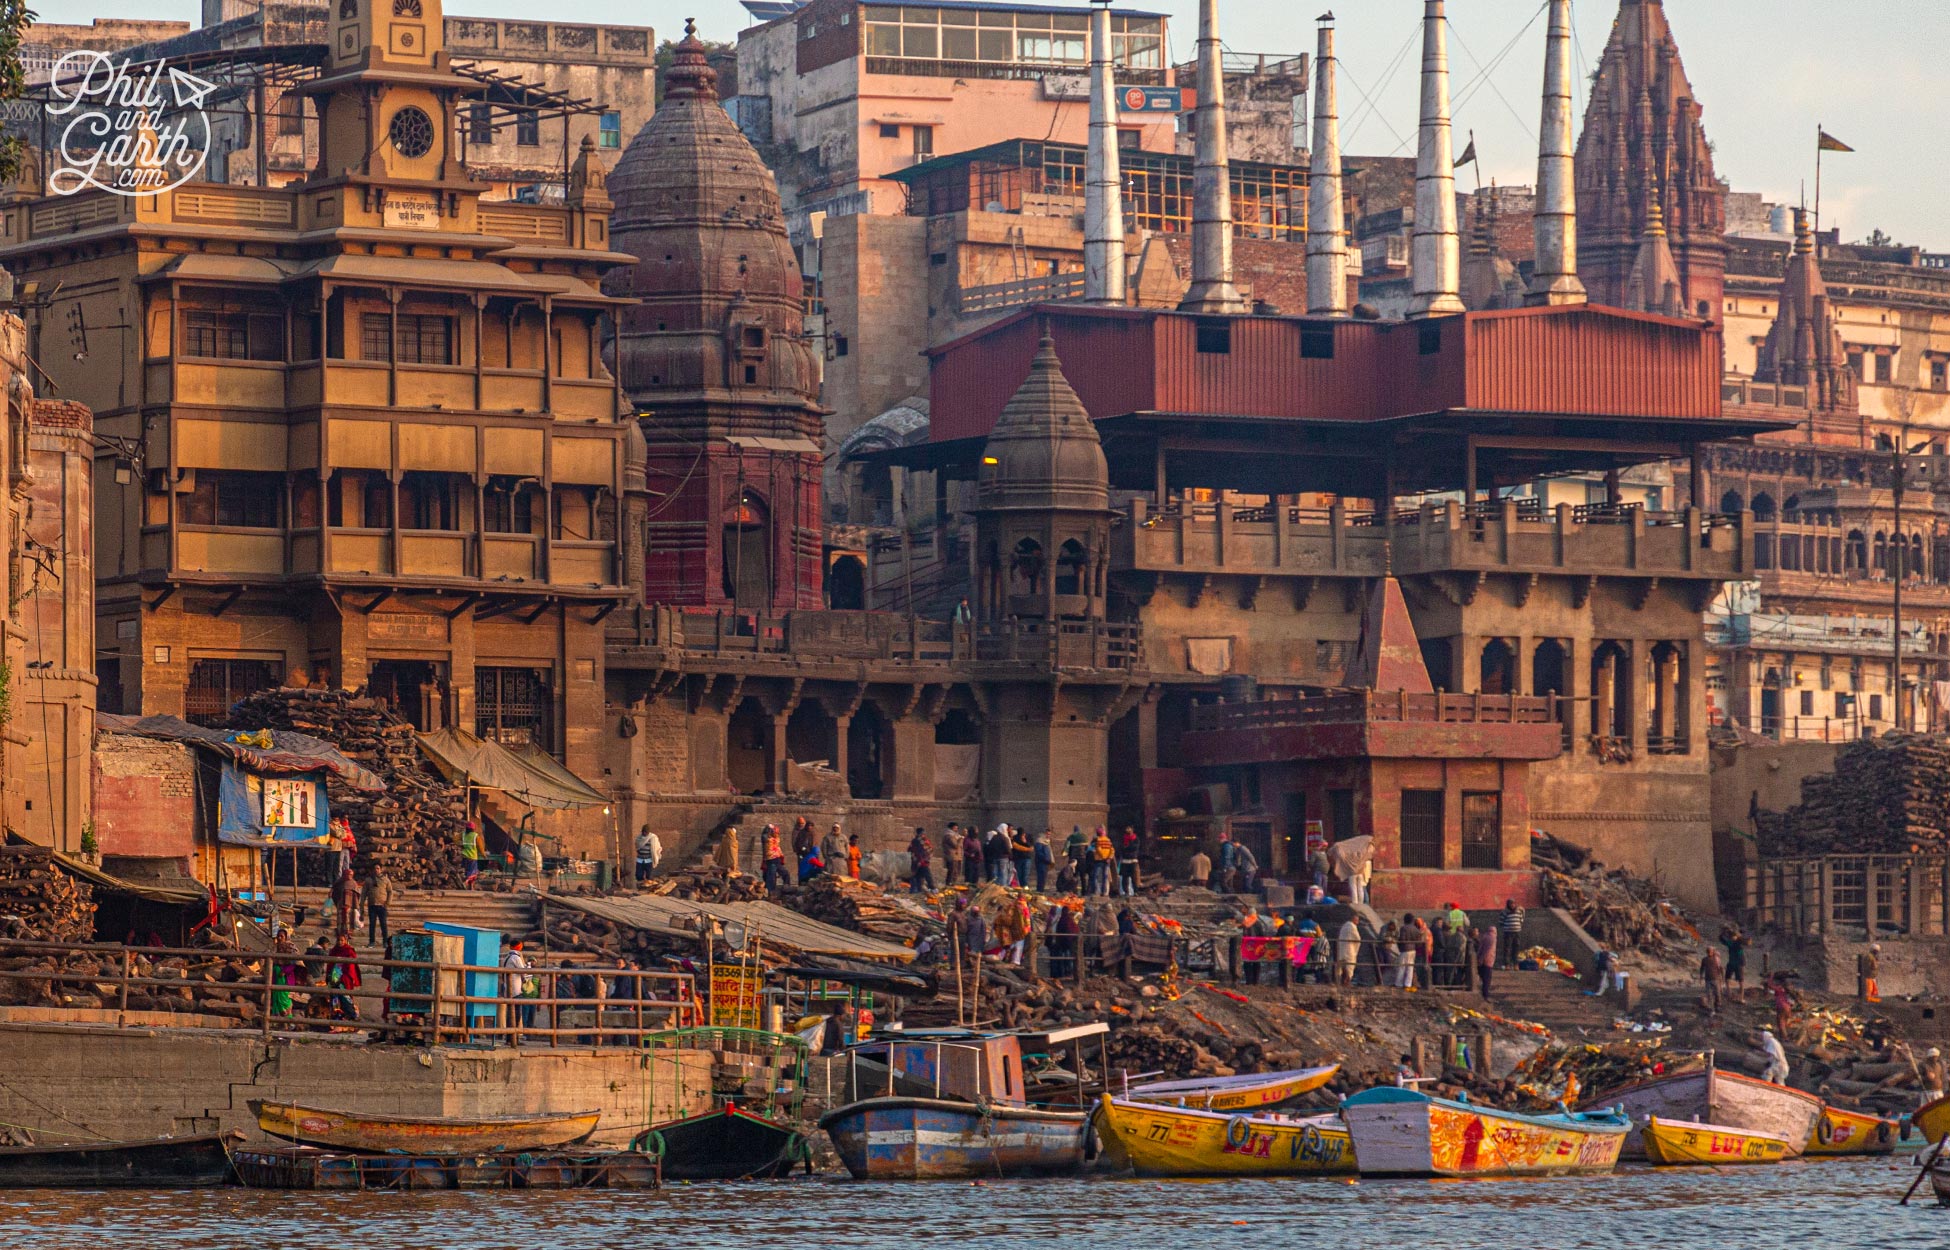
point(1875, 893)
point(277, 991)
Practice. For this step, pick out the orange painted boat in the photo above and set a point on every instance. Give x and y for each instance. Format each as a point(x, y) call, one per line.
point(376, 1134)
point(1844, 1132)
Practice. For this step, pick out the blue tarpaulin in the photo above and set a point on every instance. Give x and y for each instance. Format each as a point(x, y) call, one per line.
point(241, 809)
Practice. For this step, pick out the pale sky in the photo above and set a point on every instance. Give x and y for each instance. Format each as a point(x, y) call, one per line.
point(1766, 71)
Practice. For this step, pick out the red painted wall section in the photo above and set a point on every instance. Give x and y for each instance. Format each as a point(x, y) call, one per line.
point(684, 548)
point(145, 797)
point(1593, 360)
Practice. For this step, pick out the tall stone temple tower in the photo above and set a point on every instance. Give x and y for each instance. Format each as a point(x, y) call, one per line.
point(714, 355)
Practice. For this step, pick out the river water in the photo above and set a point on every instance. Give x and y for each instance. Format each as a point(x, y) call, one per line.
point(1841, 1203)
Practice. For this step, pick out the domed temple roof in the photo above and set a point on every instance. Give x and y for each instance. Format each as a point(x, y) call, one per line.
point(720, 313)
point(1044, 454)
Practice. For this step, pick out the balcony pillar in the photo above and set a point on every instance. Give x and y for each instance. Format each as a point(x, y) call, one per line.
point(776, 750)
point(841, 724)
point(1631, 690)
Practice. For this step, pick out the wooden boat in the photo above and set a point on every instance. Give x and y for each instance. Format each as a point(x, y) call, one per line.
point(937, 1138)
point(1933, 1119)
point(727, 1144)
point(424, 1135)
point(1683, 1143)
point(1844, 1132)
point(158, 1163)
point(1236, 1093)
point(1400, 1132)
point(308, 1167)
point(1715, 1097)
point(1152, 1139)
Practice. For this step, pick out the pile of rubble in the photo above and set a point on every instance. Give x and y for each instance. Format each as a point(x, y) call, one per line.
point(413, 827)
point(1888, 795)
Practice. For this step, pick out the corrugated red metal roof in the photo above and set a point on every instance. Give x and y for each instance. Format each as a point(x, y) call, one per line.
point(1582, 360)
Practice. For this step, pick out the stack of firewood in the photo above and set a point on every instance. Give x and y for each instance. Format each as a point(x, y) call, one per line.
point(39, 902)
point(412, 828)
point(1888, 795)
point(860, 906)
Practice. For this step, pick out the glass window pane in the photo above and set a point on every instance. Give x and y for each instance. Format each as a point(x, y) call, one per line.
point(1070, 21)
point(883, 13)
point(995, 19)
point(883, 41)
point(957, 44)
point(910, 15)
point(920, 41)
point(957, 17)
point(1032, 21)
point(1031, 46)
point(1069, 48)
point(994, 45)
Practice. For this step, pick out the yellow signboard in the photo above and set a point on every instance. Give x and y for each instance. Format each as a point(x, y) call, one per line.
point(736, 991)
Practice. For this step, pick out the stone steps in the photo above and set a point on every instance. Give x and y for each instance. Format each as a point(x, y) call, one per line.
point(1557, 1002)
point(410, 909)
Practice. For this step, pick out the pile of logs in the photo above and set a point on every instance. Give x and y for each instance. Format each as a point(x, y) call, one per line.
point(860, 906)
point(39, 902)
point(709, 884)
point(412, 828)
point(1888, 795)
point(1624, 912)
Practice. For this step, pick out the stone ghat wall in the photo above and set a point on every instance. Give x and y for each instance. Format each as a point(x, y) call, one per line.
point(83, 1082)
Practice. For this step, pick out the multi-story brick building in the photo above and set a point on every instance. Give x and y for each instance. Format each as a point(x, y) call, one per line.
point(356, 430)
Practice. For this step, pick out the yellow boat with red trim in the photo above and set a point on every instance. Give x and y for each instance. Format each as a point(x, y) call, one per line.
point(1236, 1093)
point(1844, 1132)
point(1688, 1143)
point(1153, 1139)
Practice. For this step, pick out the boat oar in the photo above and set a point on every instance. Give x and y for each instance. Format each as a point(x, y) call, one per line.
point(1922, 1173)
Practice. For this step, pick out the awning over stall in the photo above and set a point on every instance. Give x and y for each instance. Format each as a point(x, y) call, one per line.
point(525, 773)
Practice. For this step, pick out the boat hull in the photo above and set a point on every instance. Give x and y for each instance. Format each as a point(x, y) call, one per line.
point(161, 1163)
point(728, 1145)
point(1156, 1140)
point(376, 1134)
point(1844, 1132)
point(1237, 1093)
point(1688, 1143)
point(1402, 1133)
point(1739, 1102)
point(1933, 1118)
point(935, 1139)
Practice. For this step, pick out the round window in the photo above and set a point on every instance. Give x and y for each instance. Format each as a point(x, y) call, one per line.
point(412, 132)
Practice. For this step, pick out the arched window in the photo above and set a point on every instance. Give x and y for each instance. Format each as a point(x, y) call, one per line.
point(1763, 506)
point(1791, 510)
point(846, 583)
point(1881, 551)
point(1498, 671)
point(1070, 561)
point(1026, 568)
point(1857, 557)
point(1731, 502)
point(747, 551)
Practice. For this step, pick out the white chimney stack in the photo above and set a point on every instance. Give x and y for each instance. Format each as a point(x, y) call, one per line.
point(1211, 290)
point(1436, 252)
point(1103, 192)
point(1554, 279)
point(1326, 231)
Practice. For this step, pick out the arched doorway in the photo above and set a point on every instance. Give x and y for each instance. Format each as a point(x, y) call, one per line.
point(1497, 672)
point(846, 584)
point(1547, 667)
point(1731, 501)
point(1763, 506)
point(869, 753)
point(1611, 695)
point(747, 550)
point(748, 763)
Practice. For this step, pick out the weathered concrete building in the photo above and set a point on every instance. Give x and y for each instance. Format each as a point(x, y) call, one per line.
point(518, 76)
point(354, 431)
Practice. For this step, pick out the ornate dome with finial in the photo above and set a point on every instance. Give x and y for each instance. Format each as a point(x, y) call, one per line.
point(1044, 454)
point(717, 285)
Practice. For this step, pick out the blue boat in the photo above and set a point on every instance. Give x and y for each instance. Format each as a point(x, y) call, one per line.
point(882, 1139)
point(953, 1104)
